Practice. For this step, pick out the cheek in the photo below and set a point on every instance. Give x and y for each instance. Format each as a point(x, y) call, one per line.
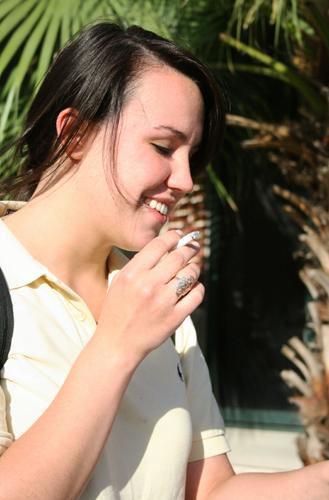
point(143, 171)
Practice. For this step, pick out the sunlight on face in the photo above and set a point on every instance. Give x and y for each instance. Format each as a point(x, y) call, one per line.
point(159, 130)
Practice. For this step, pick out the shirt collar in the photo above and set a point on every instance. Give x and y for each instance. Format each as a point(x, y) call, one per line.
point(17, 264)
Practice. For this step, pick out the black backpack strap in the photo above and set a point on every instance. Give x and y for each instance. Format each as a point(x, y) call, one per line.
point(6, 320)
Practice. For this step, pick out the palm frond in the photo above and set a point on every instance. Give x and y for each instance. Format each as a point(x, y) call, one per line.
point(321, 23)
point(5, 110)
point(20, 35)
point(221, 189)
point(251, 14)
point(6, 6)
point(48, 47)
point(287, 18)
point(34, 38)
point(283, 71)
point(13, 17)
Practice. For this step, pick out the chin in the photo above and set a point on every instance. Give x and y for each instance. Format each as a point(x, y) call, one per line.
point(139, 242)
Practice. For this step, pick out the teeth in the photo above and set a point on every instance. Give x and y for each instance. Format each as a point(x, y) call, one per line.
point(160, 207)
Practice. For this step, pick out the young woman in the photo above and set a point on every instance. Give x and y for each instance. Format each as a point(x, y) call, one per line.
point(97, 403)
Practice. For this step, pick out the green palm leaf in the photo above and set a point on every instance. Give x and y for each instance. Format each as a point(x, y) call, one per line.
point(5, 110)
point(48, 46)
point(34, 41)
point(283, 72)
point(14, 17)
point(221, 189)
point(20, 35)
point(6, 6)
point(65, 30)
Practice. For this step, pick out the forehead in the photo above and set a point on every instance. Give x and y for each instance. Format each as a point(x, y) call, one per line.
point(165, 97)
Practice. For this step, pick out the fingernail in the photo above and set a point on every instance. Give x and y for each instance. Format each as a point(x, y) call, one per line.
point(194, 244)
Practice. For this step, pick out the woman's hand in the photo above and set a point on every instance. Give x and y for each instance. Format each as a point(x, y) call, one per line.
point(143, 306)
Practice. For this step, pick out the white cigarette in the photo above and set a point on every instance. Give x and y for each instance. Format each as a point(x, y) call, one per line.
point(185, 240)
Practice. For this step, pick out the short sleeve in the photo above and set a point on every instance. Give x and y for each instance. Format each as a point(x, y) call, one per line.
point(5, 437)
point(207, 423)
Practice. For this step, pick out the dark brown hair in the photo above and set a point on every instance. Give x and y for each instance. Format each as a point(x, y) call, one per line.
point(94, 74)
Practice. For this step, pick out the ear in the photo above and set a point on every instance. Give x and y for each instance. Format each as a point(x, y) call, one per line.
point(64, 122)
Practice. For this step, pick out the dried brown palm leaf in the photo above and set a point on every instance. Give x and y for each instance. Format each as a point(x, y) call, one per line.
point(191, 214)
point(300, 151)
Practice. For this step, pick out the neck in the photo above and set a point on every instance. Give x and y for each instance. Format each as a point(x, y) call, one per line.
point(61, 233)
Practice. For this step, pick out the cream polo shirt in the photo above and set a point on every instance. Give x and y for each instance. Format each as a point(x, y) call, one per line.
point(167, 417)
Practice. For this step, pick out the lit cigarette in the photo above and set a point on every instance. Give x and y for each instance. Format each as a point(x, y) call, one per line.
point(194, 235)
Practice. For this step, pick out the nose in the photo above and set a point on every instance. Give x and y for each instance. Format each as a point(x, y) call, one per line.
point(180, 178)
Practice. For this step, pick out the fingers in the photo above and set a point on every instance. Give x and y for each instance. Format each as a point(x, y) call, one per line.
point(181, 284)
point(167, 273)
point(174, 262)
point(154, 251)
point(189, 302)
point(162, 259)
point(185, 280)
point(152, 295)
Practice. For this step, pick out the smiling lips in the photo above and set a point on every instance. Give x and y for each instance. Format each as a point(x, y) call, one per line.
point(156, 205)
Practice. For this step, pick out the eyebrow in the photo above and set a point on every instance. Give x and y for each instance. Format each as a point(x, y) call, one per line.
point(177, 133)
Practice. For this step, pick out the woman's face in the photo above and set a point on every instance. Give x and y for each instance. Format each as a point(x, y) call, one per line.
point(159, 130)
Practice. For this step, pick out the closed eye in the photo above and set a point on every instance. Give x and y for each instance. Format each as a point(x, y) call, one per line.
point(167, 152)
